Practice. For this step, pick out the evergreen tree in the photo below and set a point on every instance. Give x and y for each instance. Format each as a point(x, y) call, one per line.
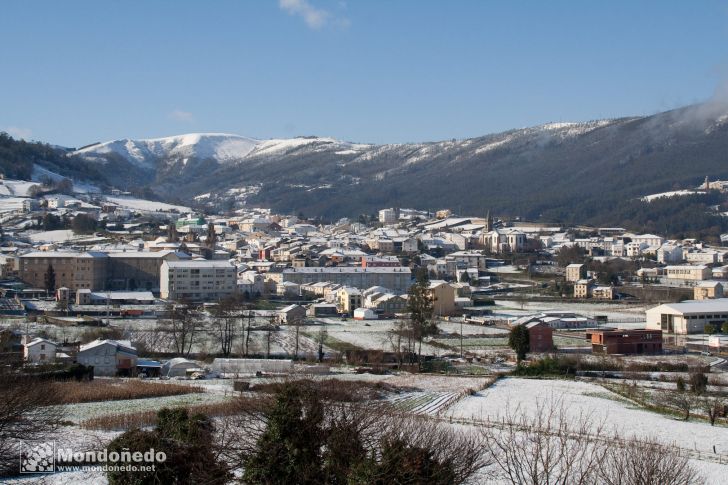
point(518, 340)
point(187, 442)
point(288, 450)
point(421, 308)
point(50, 280)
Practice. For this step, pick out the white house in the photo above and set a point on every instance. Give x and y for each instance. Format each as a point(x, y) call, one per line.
point(109, 357)
point(647, 239)
point(504, 240)
point(702, 257)
point(39, 350)
point(669, 253)
point(365, 314)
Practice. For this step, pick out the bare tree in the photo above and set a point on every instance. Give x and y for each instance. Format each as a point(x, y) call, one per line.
point(646, 462)
point(224, 324)
point(26, 413)
point(401, 340)
point(683, 402)
point(183, 325)
point(547, 447)
point(712, 406)
point(553, 447)
point(297, 322)
point(321, 340)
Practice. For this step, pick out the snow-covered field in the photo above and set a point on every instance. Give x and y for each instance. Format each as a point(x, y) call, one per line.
point(81, 412)
point(18, 188)
point(674, 193)
point(614, 311)
point(374, 335)
point(59, 235)
point(583, 398)
point(146, 205)
point(78, 186)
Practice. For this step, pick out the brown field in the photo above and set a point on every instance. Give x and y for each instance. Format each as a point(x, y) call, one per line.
point(123, 422)
point(72, 392)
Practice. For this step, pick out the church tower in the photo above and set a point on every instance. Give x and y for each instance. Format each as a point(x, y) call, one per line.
point(488, 222)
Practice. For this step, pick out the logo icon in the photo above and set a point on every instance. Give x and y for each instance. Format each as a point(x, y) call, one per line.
point(37, 457)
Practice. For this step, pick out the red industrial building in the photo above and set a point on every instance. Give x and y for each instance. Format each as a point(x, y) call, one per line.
point(622, 341)
point(540, 337)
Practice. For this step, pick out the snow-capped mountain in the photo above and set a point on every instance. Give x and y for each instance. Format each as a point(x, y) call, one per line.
point(219, 147)
point(543, 171)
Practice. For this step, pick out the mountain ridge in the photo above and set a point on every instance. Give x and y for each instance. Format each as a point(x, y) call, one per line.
point(563, 172)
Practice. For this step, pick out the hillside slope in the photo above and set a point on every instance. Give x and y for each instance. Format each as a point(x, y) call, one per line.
point(561, 171)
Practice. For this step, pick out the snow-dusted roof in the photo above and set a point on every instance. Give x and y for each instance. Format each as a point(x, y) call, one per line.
point(121, 345)
point(719, 305)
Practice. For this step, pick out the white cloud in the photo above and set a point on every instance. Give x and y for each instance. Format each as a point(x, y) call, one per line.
point(314, 17)
point(16, 132)
point(180, 115)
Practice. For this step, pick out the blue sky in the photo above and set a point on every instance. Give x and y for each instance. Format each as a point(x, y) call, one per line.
point(76, 72)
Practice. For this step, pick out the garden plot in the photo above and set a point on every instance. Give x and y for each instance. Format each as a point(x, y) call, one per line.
point(374, 335)
point(586, 399)
point(77, 413)
point(424, 402)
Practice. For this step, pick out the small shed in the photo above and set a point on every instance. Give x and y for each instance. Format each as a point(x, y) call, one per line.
point(149, 368)
point(291, 314)
point(178, 367)
point(364, 314)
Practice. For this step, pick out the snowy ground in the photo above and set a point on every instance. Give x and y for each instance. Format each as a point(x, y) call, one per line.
point(674, 193)
point(614, 311)
point(80, 412)
point(18, 188)
point(582, 398)
point(57, 236)
point(146, 205)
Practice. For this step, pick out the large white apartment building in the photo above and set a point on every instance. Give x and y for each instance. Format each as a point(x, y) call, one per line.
point(197, 280)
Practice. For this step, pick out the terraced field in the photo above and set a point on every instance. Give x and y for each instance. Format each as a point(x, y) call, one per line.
point(425, 402)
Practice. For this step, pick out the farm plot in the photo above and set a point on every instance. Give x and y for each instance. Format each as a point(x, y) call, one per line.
point(424, 402)
point(587, 399)
point(77, 413)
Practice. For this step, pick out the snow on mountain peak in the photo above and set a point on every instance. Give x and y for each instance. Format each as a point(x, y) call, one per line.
point(220, 146)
